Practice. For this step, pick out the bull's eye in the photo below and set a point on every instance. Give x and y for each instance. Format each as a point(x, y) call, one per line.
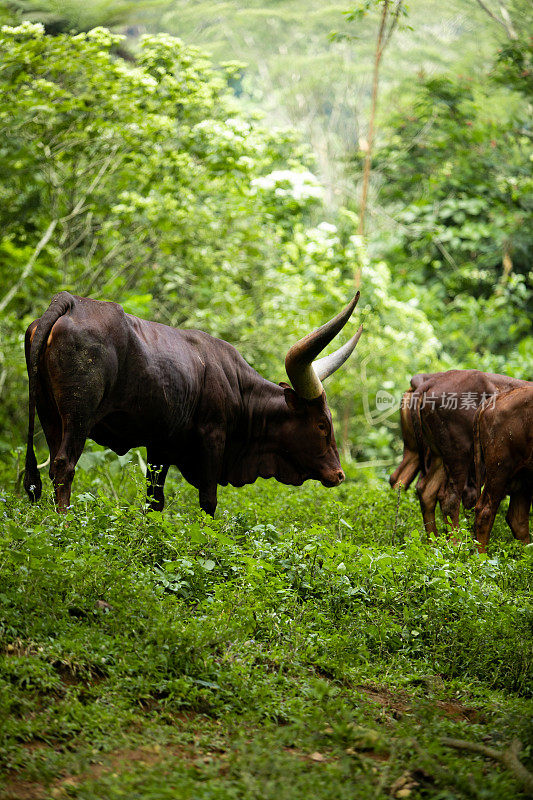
point(322, 427)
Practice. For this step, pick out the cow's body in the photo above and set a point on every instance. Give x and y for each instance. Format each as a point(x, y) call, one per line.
point(432, 478)
point(409, 467)
point(442, 409)
point(190, 399)
point(504, 443)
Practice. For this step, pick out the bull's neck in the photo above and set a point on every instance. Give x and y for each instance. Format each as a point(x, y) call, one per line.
point(259, 449)
point(264, 407)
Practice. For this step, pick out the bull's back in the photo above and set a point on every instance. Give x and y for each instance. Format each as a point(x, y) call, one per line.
point(506, 427)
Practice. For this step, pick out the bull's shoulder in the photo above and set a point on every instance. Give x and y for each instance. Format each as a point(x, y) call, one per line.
point(511, 401)
point(427, 381)
point(467, 381)
point(216, 351)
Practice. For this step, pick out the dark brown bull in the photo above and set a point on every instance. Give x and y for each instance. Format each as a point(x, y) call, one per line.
point(504, 444)
point(440, 420)
point(190, 399)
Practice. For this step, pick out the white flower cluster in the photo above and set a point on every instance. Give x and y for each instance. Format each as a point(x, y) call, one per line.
point(25, 28)
point(103, 36)
point(290, 183)
point(137, 76)
point(230, 130)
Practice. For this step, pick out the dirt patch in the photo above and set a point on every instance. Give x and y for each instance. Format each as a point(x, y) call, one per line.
point(117, 761)
point(71, 675)
point(148, 756)
point(459, 711)
point(399, 703)
point(16, 789)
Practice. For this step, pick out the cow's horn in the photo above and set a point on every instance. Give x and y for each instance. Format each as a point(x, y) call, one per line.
point(326, 366)
point(305, 379)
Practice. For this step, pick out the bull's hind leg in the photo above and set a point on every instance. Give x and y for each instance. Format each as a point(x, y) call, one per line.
point(427, 489)
point(451, 503)
point(486, 509)
point(63, 467)
point(155, 475)
point(518, 514)
point(77, 383)
point(488, 504)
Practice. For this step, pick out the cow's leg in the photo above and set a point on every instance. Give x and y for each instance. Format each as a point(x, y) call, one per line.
point(155, 475)
point(75, 428)
point(427, 489)
point(486, 509)
point(52, 428)
point(451, 504)
point(64, 467)
point(208, 499)
point(406, 472)
point(77, 385)
point(213, 442)
point(518, 514)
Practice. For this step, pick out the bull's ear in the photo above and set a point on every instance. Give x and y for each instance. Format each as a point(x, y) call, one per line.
point(294, 402)
point(284, 385)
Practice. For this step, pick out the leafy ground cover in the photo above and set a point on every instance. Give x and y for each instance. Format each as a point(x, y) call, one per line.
point(305, 643)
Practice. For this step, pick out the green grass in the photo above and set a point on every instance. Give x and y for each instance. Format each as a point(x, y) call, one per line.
point(304, 643)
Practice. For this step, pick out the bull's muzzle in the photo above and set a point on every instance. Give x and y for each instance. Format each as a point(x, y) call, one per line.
point(334, 478)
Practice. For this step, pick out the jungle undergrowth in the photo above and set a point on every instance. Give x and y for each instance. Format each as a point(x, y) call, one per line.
point(287, 647)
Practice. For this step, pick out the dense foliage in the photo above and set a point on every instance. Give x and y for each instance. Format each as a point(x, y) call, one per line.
point(456, 178)
point(148, 185)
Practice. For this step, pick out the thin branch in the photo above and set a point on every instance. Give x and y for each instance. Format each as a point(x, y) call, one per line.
point(78, 209)
point(505, 23)
point(508, 757)
point(29, 266)
point(393, 23)
point(373, 109)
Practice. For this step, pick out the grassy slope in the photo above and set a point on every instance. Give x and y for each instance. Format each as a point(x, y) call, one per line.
point(289, 648)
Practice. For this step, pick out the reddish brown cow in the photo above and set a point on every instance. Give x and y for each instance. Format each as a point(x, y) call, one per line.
point(504, 442)
point(190, 399)
point(409, 467)
point(431, 484)
point(442, 412)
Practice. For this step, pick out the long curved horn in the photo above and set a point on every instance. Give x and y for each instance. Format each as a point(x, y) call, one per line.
point(326, 366)
point(299, 359)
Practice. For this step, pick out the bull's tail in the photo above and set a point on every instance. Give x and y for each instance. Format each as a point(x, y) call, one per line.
point(409, 468)
point(36, 336)
point(416, 422)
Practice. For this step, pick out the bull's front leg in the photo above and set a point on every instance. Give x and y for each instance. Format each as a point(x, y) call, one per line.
point(212, 455)
point(486, 510)
point(155, 476)
point(518, 514)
